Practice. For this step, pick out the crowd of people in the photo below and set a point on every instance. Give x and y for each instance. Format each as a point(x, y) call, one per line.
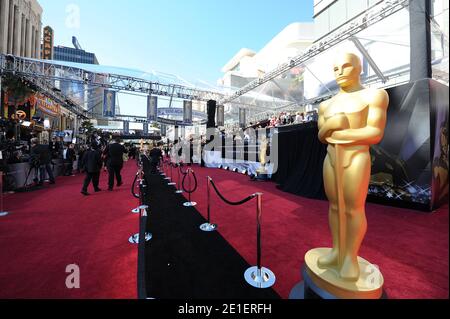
point(99, 151)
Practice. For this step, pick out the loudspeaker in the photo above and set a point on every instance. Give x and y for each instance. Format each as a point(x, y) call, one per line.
point(212, 105)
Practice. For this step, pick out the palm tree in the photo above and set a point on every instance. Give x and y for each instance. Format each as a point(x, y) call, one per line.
point(18, 91)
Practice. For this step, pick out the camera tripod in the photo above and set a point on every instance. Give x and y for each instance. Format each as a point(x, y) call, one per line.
point(36, 172)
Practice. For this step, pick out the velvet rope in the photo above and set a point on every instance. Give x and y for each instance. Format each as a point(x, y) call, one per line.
point(230, 202)
point(133, 185)
point(195, 181)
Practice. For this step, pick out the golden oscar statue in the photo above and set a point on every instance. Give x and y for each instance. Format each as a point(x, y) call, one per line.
point(262, 170)
point(349, 123)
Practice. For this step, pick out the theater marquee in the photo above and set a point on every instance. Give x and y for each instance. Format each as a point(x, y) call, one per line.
point(47, 50)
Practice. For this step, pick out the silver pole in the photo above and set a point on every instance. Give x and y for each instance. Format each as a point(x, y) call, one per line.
point(258, 276)
point(2, 212)
point(208, 227)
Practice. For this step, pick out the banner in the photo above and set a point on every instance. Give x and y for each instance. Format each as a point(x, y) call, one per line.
point(242, 118)
point(163, 130)
point(126, 127)
point(413, 154)
point(109, 103)
point(68, 136)
point(220, 121)
point(187, 112)
point(47, 105)
point(145, 129)
point(152, 108)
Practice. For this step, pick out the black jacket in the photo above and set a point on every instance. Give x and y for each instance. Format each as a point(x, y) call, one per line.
point(70, 156)
point(115, 154)
point(41, 154)
point(92, 161)
point(155, 156)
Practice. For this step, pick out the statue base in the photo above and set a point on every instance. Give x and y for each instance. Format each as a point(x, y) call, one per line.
point(262, 176)
point(326, 284)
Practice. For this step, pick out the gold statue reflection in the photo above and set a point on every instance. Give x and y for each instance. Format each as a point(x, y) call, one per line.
point(350, 123)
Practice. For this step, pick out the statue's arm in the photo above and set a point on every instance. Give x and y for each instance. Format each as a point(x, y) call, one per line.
point(374, 131)
point(327, 127)
point(324, 126)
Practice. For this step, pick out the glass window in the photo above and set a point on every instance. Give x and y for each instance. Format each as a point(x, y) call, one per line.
point(338, 15)
point(355, 7)
point(322, 24)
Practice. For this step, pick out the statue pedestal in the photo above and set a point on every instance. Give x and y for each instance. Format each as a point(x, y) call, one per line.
point(325, 283)
point(262, 175)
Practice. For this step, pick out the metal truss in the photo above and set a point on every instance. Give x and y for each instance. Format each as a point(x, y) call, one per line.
point(41, 69)
point(351, 28)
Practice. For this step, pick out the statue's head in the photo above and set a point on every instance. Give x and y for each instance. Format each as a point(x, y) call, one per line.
point(347, 70)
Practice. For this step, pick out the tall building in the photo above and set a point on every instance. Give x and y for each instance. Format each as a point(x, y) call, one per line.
point(248, 65)
point(75, 54)
point(88, 96)
point(20, 28)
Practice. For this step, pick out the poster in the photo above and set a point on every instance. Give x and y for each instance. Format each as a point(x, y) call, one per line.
point(109, 103)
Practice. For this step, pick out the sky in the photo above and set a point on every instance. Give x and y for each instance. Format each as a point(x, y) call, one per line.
point(191, 38)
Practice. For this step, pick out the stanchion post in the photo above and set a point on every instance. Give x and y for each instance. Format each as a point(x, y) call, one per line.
point(2, 212)
point(208, 198)
point(134, 239)
point(259, 277)
point(258, 228)
point(208, 227)
point(189, 176)
point(179, 187)
point(190, 203)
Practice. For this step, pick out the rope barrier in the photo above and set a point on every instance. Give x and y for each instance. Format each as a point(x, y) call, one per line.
point(133, 186)
point(181, 169)
point(245, 200)
point(258, 276)
point(188, 173)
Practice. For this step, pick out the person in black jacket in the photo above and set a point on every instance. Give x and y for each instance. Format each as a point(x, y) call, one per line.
point(69, 157)
point(91, 164)
point(156, 156)
point(41, 158)
point(115, 153)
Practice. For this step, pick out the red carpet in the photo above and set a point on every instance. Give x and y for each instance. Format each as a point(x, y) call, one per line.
point(55, 227)
point(411, 248)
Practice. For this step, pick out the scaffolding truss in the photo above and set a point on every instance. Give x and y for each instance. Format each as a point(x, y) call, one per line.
point(346, 32)
point(44, 73)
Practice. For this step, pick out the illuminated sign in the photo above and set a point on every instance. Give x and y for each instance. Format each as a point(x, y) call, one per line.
point(47, 105)
point(47, 50)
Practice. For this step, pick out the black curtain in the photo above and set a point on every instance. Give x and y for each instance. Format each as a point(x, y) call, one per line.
point(300, 162)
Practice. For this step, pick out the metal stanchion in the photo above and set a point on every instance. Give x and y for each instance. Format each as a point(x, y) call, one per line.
point(208, 227)
point(161, 168)
point(171, 183)
point(2, 212)
point(190, 203)
point(258, 276)
point(166, 174)
point(179, 187)
point(140, 180)
point(148, 236)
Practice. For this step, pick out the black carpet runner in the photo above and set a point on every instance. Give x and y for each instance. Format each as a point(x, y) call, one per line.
point(182, 262)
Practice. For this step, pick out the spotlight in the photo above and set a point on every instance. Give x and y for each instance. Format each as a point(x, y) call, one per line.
point(235, 170)
point(226, 168)
point(220, 166)
point(244, 172)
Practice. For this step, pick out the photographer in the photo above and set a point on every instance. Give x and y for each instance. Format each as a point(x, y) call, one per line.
point(41, 159)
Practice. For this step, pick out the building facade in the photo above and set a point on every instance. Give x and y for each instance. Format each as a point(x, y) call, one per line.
point(247, 64)
point(20, 28)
